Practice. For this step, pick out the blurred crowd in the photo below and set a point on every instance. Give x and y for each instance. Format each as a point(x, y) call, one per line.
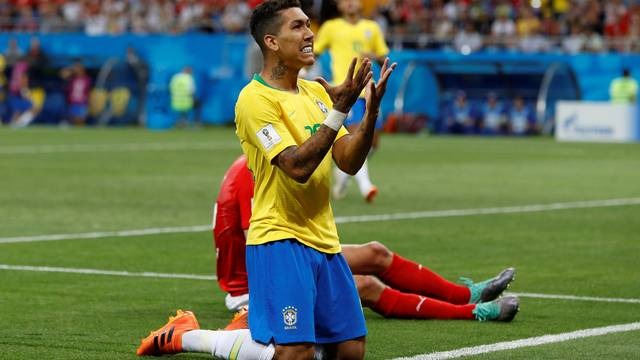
point(462, 25)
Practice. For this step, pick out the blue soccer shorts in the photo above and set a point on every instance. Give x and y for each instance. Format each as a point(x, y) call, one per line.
point(356, 114)
point(300, 295)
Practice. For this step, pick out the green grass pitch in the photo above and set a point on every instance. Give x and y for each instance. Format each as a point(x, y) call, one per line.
point(97, 180)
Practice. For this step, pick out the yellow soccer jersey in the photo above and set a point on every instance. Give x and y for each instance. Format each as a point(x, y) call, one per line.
point(268, 121)
point(346, 41)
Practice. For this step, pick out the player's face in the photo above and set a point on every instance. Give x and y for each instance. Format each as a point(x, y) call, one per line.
point(296, 38)
point(349, 7)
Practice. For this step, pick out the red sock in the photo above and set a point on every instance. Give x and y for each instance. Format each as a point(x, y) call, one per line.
point(396, 304)
point(407, 276)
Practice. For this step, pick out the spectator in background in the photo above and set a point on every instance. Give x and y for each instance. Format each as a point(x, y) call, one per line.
point(616, 18)
point(95, 23)
point(442, 27)
point(594, 42)
point(73, 13)
point(460, 118)
point(182, 89)
point(521, 119)
point(493, 116)
point(78, 89)
point(6, 9)
point(575, 41)
point(527, 23)
point(535, 42)
point(25, 21)
point(467, 40)
point(503, 29)
point(160, 16)
point(235, 17)
point(624, 89)
point(50, 20)
point(190, 13)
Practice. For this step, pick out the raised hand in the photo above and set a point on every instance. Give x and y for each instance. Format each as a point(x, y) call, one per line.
point(346, 94)
point(374, 92)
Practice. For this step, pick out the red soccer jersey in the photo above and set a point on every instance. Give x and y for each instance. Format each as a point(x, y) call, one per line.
point(231, 219)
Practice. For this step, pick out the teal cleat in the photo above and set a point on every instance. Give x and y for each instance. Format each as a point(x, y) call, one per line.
point(489, 290)
point(503, 309)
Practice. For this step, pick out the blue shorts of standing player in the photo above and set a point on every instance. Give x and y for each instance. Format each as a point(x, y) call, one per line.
point(301, 295)
point(356, 115)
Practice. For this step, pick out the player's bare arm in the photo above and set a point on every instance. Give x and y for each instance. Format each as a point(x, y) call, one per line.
point(351, 150)
point(299, 162)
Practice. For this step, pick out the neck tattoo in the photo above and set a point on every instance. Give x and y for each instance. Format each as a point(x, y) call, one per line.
point(279, 71)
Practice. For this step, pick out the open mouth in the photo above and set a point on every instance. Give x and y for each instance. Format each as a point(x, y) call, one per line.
point(307, 49)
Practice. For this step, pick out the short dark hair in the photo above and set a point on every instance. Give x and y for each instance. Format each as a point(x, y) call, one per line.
point(265, 18)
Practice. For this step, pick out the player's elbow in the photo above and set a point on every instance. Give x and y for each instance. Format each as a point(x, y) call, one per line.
point(350, 167)
point(301, 178)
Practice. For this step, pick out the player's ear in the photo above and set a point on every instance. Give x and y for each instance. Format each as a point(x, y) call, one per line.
point(272, 42)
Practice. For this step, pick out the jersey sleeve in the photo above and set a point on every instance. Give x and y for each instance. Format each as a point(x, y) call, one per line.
point(380, 47)
point(259, 122)
point(322, 40)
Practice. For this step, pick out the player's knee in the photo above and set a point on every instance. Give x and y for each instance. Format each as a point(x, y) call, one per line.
point(380, 254)
point(352, 350)
point(369, 289)
point(294, 352)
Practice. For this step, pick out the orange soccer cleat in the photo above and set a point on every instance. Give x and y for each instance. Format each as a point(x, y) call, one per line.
point(240, 320)
point(168, 339)
point(371, 194)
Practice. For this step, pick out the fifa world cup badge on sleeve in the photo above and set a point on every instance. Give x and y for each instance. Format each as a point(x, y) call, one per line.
point(269, 137)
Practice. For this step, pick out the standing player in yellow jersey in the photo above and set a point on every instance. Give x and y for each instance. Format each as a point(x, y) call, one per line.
point(345, 38)
point(301, 289)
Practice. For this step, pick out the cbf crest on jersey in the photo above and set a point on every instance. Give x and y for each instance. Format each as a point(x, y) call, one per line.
point(368, 34)
point(322, 106)
point(290, 317)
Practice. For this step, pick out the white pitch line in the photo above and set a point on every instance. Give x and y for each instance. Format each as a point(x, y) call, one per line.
point(106, 272)
point(344, 219)
point(528, 342)
point(575, 298)
point(213, 277)
point(103, 234)
point(489, 211)
point(79, 148)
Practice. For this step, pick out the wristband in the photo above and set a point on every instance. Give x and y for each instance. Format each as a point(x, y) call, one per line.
point(335, 119)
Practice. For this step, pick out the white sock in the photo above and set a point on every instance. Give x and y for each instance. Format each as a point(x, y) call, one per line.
point(340, 179)
point(362, 178)
point(222, 343)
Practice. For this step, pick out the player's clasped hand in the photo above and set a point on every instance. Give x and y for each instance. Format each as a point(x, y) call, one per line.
point(374, 92)
point(346, 94)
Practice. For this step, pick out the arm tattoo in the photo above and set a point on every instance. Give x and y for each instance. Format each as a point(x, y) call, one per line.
point(301, 161)
point(279, 71)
